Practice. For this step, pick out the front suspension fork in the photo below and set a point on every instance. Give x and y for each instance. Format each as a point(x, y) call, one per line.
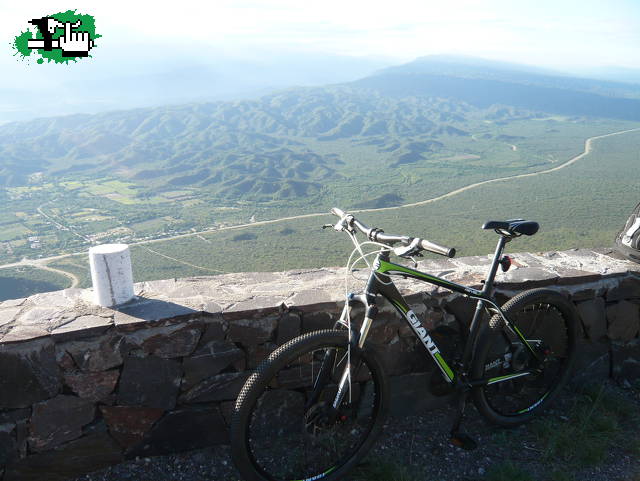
point(354, 349)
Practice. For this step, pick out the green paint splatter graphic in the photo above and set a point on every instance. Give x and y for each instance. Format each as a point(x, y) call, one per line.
point(86, 27)
point(20, 44)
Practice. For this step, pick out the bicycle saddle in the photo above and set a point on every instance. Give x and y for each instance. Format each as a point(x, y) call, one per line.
point(513, 227)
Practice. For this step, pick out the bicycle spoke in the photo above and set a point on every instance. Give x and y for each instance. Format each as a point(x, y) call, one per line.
point(308, 437)
point(544, 328)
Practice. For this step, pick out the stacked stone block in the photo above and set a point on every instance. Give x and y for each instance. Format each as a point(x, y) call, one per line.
point(82, 387)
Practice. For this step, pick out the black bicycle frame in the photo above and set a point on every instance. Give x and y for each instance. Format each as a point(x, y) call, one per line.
point(380, 283)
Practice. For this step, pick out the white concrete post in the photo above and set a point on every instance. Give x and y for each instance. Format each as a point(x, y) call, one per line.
point(111, 274)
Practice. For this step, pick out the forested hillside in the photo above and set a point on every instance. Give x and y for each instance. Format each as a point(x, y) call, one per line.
point(403, 135)
point(238, 148)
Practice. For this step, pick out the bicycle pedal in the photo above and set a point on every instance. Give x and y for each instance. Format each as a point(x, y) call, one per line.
point(464, 441)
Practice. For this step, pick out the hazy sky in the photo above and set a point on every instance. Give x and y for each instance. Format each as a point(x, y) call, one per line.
point(193, 50)
point(555, 33)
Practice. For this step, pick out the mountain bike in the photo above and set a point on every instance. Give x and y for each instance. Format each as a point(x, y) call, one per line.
point(314, 407)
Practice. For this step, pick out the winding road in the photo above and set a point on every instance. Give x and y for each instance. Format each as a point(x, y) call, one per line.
point(42, 263)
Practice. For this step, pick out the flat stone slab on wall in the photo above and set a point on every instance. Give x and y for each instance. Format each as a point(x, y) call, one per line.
point(84, 386)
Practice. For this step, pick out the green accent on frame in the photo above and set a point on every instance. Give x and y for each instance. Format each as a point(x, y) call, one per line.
point(444, 365)
point(524, 340)
point(505, 377)
point(389, 266)
point(515, 328)
point(403, 309)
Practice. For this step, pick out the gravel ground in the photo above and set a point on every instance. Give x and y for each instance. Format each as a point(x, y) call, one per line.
point(419, 445)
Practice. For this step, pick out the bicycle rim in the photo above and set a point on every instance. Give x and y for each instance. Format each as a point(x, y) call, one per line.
point(294, 433)
point(547, 330)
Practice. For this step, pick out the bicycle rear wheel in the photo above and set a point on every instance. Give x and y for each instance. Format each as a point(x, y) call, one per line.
point(285, 426)
point(549, 323)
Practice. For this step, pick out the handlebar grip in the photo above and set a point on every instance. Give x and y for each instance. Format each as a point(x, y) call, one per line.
point(338, 212)
point(437, 249)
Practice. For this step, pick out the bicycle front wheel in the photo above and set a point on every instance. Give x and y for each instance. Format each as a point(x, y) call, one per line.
point(518, 383)
point(286, 424)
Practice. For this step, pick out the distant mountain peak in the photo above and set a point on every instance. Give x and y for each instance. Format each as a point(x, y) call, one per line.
point(465, 65)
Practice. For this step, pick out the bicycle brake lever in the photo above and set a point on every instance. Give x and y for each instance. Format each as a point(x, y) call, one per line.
point(343, 224)
point(407, 251)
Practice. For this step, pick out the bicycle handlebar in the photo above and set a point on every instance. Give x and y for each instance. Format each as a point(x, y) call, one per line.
point(348, 221)
point(437, 248)
point(338, 212)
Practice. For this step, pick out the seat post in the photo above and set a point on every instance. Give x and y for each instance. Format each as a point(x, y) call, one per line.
point(488, 283)
point(459, 438)
point(487, 290)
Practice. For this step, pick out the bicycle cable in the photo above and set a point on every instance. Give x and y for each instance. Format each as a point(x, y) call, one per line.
point(349, 270)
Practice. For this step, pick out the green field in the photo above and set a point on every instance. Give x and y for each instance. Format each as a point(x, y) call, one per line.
point(582, 205)
point(14, 231)
point(24, 281)
point(76, 265)
point(160, 172)
point(403, 135)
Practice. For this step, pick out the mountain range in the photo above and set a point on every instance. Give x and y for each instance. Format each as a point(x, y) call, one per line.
point(274, 147)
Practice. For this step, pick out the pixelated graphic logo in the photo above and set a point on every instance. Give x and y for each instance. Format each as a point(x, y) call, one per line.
point(59, 37)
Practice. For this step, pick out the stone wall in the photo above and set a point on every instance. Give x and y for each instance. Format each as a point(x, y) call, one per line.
point(83, 387)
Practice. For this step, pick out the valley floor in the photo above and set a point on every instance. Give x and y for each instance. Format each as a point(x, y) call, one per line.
point(296, 242)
